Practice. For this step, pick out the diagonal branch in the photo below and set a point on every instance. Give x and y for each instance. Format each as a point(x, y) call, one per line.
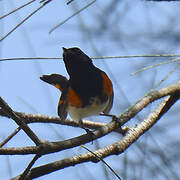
point(61, 23)
point(7, 110)
point(103, 162)
point(50, 147)
point(20, 7)
point(25, 19)
point(10, 136)
point(173, 89)
point(24, 174)
point(113, 149)
point(129, 113)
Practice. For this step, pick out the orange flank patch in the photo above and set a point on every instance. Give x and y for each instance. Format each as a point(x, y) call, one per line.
point(73, 99)
point(57, 86)
point(108, 89)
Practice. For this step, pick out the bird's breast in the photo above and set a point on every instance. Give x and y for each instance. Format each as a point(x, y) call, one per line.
point(95, 107)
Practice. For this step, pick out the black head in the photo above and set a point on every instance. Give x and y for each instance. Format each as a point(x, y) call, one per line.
point(76, 61)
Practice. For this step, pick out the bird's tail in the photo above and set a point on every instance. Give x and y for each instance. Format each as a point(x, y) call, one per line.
point(59, 81)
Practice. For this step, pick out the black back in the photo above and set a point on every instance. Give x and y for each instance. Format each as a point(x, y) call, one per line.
point(85, 78)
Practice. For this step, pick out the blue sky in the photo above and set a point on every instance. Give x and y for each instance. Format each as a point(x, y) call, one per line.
point(131, 28)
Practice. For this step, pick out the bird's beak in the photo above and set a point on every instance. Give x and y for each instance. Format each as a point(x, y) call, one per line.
point(64, 49)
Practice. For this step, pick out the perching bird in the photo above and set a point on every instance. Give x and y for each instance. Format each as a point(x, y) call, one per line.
point(88, 92)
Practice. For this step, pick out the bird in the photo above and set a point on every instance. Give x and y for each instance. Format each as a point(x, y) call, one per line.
point(87, 92)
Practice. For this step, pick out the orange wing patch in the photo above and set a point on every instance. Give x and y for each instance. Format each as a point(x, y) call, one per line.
point(108, 89)
point(73, 99)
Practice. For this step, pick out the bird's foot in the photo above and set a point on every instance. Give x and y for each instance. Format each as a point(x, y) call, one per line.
point(114, 118)
point(89, 132)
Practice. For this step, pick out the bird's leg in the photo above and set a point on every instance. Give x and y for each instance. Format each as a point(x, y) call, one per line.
point(87, 130)
point(117, 120)
point(114, 118)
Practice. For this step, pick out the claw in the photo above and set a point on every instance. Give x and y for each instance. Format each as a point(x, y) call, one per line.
point(114, 118)
point(89, 132)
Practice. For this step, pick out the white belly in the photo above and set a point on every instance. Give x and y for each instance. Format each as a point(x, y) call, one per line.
point(78, 114)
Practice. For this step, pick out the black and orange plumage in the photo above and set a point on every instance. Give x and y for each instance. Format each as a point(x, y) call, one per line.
point(89, 91)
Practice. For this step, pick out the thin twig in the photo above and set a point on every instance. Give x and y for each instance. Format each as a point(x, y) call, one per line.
point(102, 161)
point(61, 23)
point(7, 14)
point(166, 76)
point(28, 58)
point(97, 57)
point(7, 110)
point(10, 136)
point(155, 65)
point(26, 18)
point(70, 1)
point(25, 173)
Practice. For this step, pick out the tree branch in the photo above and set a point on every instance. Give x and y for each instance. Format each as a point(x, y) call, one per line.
point(113, 149)
point(50, 147)
point(24, 174)
point(173, 89)
point(125, 116)
point(7, 110)
point(10, 136)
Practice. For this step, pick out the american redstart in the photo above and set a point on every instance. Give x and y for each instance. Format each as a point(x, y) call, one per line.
point(88, 92)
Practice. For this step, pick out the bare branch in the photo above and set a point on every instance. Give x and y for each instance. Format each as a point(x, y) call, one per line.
point(7, 110)
point(28, 58)
point(20, 151)
point(25, 19)
point(37, 118)
point(20, 7)
point(147, 99)
point(129, 113)
point(103, 162)
point(167, 75)
point(24, 174)
point(61, 23)
point(102, 57)
point(115, 148)
point(50, 147)
point(70, 1)
point(10, 137)
point(155, 65)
